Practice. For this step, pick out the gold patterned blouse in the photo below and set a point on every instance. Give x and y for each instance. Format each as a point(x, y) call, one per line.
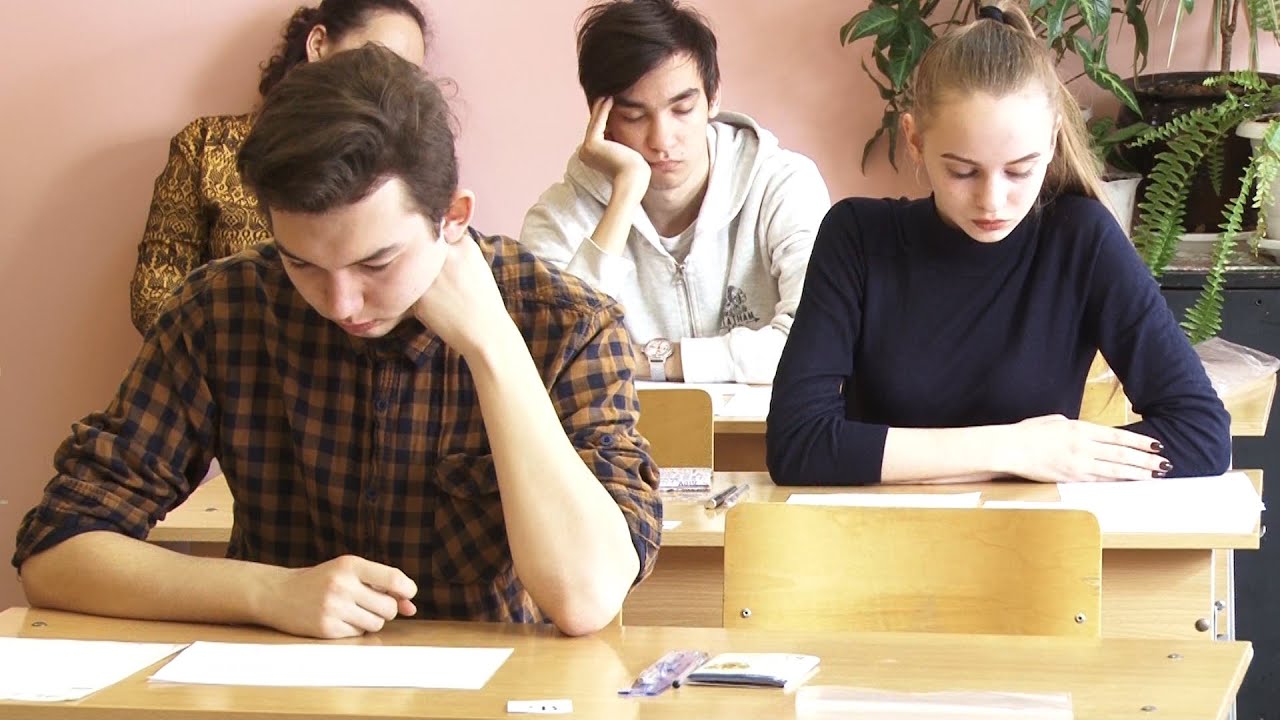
point(200, 211)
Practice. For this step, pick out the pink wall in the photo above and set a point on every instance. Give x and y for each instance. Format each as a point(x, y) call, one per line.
point(91, 96)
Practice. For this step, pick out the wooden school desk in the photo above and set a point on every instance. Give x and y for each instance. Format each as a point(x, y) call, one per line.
point(1153, 585)
point(1108, 678)
point(739, 439)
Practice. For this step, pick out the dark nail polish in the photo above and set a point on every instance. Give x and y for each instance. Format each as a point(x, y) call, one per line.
point(1157, 446)
point(1158, 473)
point(1166, 466)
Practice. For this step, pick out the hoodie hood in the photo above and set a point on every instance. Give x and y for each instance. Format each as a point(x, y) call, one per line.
point(729, 135)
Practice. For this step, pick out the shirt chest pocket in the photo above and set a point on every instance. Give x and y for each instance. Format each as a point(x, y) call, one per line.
point(470, 535)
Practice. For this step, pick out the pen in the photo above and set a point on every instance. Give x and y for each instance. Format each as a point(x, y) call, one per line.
point(735, 497)
point(726, 497)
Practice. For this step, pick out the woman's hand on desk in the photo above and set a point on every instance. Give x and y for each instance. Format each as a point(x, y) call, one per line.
point(344, 597)
point(1053, 448)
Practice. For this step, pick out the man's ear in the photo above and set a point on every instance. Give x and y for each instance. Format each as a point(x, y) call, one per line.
point(317, 43)
point(713, 105)
point(457, 218)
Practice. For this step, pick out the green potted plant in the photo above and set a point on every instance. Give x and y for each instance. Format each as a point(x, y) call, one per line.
point(903, 29)
point(1195, 139)
point(1118, 178)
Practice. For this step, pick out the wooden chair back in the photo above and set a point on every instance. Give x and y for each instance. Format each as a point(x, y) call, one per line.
point(679, 426)
point(1018, 572)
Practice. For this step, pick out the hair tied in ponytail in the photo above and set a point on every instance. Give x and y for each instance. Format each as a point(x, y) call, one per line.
point(991, 12)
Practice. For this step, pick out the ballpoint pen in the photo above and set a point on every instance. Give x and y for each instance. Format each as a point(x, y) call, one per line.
point(726, 498)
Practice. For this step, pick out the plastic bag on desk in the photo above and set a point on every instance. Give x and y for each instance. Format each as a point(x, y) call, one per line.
point(823, 702)
point(1231, 366)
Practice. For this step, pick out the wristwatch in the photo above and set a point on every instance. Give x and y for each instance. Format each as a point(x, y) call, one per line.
point(658, 350)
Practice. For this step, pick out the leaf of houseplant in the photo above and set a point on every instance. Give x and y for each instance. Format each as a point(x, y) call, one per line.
point(1141, 36)
point(875, 20)
point(1097, 15)
point(1054, 19)
point(1095, 67)
point(1265, 15)
point(901, 63)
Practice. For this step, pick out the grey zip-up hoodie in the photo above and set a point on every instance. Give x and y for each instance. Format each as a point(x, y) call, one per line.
point(731, 302)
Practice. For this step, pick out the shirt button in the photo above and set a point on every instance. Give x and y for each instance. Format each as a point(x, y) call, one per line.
point(381, 405)
point(606, 439)
point(371, 495)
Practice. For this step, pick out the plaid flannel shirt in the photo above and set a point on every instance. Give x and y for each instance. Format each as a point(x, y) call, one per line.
point(334, 445)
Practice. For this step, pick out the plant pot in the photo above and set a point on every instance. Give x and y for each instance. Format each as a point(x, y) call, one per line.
point(1164, 96)
point(1253, 130)
point(1120, 189)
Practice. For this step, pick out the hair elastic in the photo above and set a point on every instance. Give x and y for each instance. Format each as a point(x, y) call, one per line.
point(991, 12)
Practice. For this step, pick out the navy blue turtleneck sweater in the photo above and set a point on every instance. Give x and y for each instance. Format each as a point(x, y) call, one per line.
point(908, 322)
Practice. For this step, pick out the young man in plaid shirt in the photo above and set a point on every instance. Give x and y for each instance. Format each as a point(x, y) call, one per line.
point(413, 419)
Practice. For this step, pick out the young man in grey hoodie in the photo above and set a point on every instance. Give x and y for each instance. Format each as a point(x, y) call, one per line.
point(696, 220)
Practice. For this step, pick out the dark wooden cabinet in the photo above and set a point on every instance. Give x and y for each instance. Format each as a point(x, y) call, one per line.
point(1251, 317)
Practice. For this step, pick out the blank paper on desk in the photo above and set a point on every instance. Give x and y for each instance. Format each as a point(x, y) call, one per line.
point(314, 665)
point(749, 401)
point(39, 670)
point(913, 500)
point(1219, 504)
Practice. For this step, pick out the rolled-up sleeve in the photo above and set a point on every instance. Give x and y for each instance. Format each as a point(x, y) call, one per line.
point(595, 398)
point(122, 469)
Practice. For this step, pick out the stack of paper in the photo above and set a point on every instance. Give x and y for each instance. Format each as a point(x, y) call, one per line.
point(1221, 504)
point(780, 670)
point(1212, 505)
point(37, 670)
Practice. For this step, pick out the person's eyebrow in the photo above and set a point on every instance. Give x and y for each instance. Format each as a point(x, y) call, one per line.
point(626, 103)
point(377, 255)
point(967, 161)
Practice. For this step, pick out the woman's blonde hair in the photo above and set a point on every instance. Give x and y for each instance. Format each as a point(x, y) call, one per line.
point(1002, 57)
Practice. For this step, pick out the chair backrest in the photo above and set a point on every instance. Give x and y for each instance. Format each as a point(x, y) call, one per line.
point(679, 426)
point(1016, 572)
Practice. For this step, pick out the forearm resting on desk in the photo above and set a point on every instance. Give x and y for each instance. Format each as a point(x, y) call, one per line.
point(940, 455)
point(105, 573)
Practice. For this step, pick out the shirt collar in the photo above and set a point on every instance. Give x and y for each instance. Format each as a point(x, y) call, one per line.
point(410, 338)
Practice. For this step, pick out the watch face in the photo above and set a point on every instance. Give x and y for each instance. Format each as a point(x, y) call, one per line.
point(658, 349)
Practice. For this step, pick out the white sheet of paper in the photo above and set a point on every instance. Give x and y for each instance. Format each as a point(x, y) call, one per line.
point(39, 670)
point(720, 392)
point(670, 524)
point(315, 665)
point(750, 401)
point(1027, 505)
point(873, 704)
point(915, 500)
point(1219, 504)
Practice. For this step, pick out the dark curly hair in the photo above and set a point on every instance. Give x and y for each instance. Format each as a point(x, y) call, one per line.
point(338, 17)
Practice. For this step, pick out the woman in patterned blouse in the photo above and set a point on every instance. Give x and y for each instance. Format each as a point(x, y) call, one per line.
point(200, 210)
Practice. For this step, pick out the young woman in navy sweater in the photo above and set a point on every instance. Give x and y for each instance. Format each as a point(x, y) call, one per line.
point(948, 339)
